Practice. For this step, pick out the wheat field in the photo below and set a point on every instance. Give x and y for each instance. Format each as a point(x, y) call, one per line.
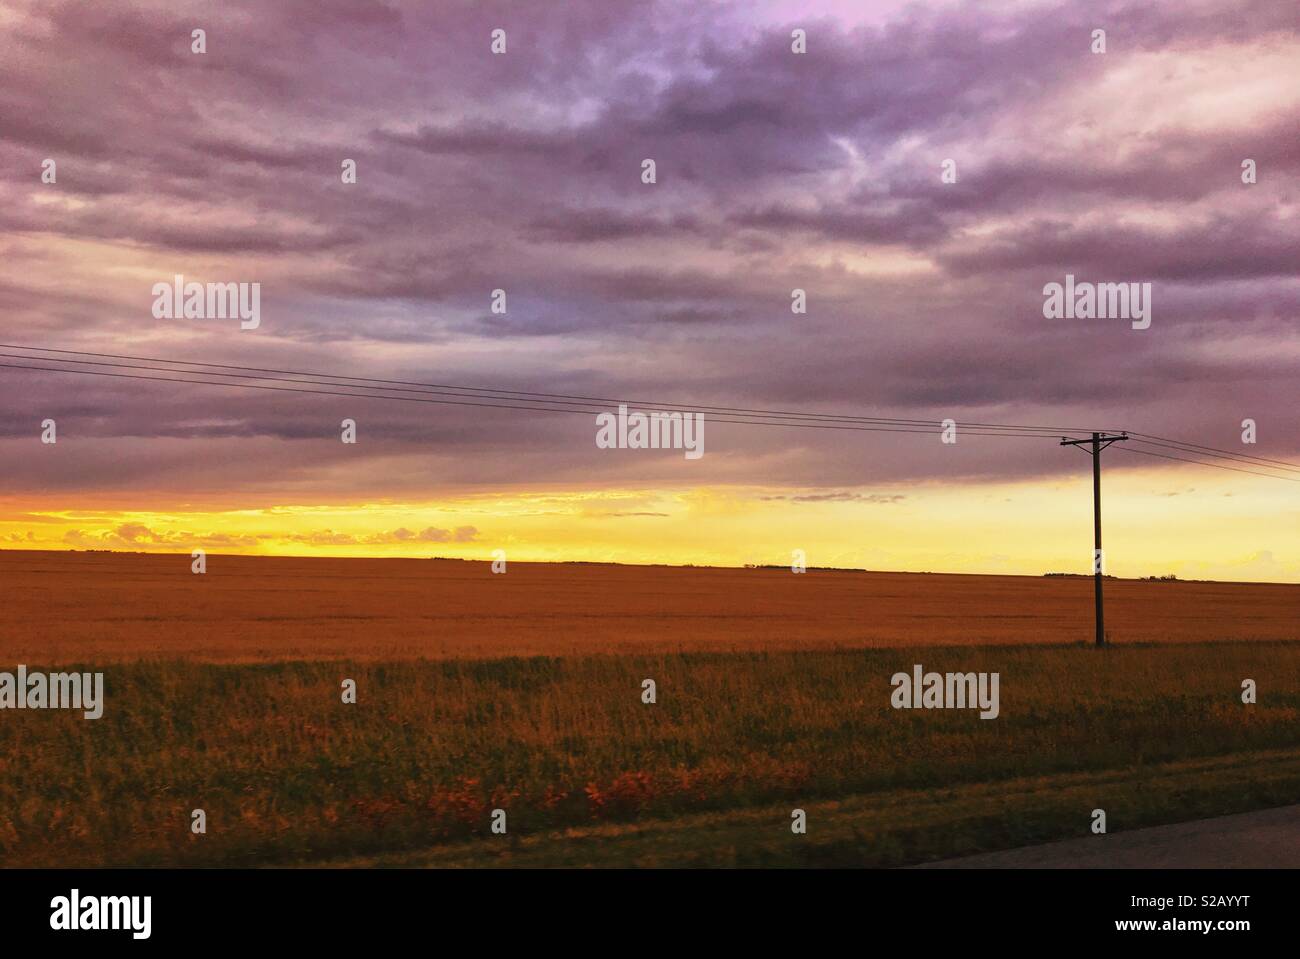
point(523, 692)
point(109, 607)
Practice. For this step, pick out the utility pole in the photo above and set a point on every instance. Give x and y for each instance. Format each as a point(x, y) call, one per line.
point(1095, 445)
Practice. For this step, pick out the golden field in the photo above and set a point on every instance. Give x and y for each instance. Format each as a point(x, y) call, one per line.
point(522, 692)
point(102, 607)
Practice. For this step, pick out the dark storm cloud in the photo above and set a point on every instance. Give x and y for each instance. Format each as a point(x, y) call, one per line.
point(522, 172)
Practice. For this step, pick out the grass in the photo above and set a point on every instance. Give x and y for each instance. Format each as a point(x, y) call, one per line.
point(893, 827)
point(589, 775)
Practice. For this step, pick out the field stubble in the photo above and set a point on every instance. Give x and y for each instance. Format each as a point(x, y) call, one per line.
point(288, 773)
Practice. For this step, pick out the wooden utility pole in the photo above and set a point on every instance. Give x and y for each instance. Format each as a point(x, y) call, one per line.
point(1095, 445)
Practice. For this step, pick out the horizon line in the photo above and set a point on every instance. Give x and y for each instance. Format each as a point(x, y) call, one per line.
point(585, 562)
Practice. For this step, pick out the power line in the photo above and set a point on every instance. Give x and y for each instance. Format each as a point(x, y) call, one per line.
point(530, 401)
point(499, 406)
point(556, 403)
point(519, 394)
point(574, 400)
point(1222, 456)
point(1212, 449)
point(1217, 466)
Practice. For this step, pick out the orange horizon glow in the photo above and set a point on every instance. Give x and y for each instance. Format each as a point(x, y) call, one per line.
point(1157, 522)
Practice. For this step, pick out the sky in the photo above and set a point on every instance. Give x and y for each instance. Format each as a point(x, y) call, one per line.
point(774, 171)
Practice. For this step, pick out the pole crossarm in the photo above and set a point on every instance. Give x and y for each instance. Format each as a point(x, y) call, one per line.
point(1096, 437)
